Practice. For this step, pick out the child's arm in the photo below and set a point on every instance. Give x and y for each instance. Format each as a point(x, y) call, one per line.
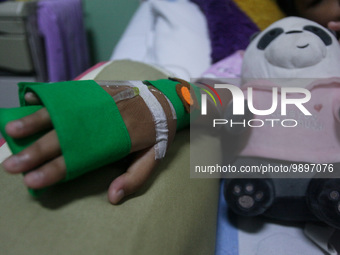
point(46, 163)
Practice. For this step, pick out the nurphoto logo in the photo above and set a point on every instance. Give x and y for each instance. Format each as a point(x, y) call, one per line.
point(238, 105)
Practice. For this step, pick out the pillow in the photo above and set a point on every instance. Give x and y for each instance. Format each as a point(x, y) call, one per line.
point(170, 34)
point(181, 42)
point(231, 23)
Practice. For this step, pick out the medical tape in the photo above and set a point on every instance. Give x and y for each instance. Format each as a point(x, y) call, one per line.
point(157, 112)
point(173, 111)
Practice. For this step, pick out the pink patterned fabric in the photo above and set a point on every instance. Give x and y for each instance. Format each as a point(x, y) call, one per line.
point(229, 67)
point(2, 142)
point(315, 139)
point(90, 70)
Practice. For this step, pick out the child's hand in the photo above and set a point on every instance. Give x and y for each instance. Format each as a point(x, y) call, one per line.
point(46, 163)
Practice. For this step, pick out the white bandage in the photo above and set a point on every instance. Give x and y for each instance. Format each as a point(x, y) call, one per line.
point(157, 112)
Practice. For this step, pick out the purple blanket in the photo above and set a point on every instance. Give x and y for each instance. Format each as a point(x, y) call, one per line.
point(230, 28)
point(61, 24)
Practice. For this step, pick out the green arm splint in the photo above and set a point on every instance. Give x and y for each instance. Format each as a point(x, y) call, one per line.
point(168, 88)
point(89, 126)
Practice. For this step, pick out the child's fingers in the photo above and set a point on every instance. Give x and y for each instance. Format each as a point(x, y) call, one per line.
point(29, 125)
point(32, 98)
point(135, 176)
point(46, 175)
point(43, 150)
point(334, 25)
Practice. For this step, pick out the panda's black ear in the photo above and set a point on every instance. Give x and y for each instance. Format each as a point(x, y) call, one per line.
point(253, 36)
point(321, 32)
point(334, 33)
point(268, 37)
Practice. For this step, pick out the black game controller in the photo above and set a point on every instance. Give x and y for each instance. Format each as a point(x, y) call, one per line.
point(286, 199)
point(291, 199)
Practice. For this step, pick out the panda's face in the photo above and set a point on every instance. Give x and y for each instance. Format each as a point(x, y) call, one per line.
point(273, 33)
point(291, 46)
point(295, 48)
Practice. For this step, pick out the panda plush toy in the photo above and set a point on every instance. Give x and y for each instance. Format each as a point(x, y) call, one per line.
point(292, 47)
point(302, 159)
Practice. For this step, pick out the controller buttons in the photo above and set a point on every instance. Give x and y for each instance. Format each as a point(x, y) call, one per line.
point(249, 188)
point(249, 197)
point(334, 195)
point(237, 189)
point(259, 195)
point(324, 200)
point(246, 202)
